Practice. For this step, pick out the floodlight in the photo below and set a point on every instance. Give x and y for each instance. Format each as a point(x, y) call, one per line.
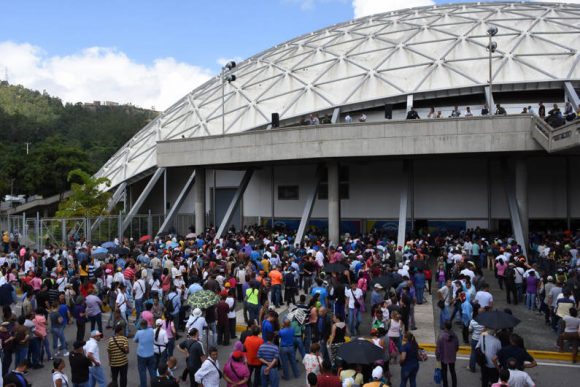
point(231, 78)
point(230, 65)
point(492, 30)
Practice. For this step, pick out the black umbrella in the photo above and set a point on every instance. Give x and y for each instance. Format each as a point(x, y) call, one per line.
point(497, 319)
point(360, 351)
point(386, 281)
point(119, 250)
point(334, 268)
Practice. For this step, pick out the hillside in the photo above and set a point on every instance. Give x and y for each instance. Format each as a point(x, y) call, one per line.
point(60, 137)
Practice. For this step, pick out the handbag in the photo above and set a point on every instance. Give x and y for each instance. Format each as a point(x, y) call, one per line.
point(356, 303)
point(437, 377)
point(422, 355)
point(480, 357)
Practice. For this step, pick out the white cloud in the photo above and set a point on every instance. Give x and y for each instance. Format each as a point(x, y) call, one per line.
point(370, 7)
point(100, 74)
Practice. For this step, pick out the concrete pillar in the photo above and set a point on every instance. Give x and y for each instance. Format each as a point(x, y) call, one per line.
point(333, 203)
point(521, 188)
point(199, 205)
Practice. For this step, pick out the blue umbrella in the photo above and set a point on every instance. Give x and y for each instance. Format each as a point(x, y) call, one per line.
point(109, 245)
point(173, 244)
point(100, 250)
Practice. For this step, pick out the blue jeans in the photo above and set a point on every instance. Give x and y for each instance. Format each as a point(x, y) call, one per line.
point(170, 347)
point(353, 320)
point(531, 301)
point(34, 348)
point(277, 295)
point(96, 376)
point(20, 354)
point(98, 321)
point(307, 337)
point(419, 290)
point(299, 345)
point(472, 357)
point(409, 373)
point(339, 309)
point(85, 384)
point(288, 355)
point(273, 378)
point(138, 309)
point(519, 291)
point(213, 329)
point(145, 364)
point(58, 334)
point(253, 311)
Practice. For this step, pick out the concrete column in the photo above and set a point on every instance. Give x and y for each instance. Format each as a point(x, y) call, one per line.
point(521, 188)
point(199, 205)
point(333, 203)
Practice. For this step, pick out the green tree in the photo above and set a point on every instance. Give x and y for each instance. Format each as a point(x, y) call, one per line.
point(87, 199)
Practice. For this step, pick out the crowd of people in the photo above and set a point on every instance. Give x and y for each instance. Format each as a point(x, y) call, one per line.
point(300, 301)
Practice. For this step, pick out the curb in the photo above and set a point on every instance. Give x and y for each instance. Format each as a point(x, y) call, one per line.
point(536, 354)
point(465, 350)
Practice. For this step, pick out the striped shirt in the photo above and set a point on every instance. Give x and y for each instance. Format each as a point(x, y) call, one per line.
point(268, 352)
point(117, 358)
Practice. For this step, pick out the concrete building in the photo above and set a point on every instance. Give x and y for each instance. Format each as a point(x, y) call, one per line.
point(284, 141)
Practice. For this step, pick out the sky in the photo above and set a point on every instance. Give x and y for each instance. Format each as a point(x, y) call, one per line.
point(151, 53)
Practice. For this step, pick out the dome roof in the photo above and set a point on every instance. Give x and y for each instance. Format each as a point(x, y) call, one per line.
point(367, 62)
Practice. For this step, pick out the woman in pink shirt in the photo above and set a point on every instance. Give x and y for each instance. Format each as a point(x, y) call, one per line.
point(500, 267)
point(40, 332)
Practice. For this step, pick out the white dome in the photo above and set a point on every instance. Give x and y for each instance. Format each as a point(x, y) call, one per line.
point(368, 62)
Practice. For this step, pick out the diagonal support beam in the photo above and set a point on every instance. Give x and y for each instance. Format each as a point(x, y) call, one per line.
point(141, 199)
point(403, 205)
point(235, 202)
point(335, 115)
point(308, 206)
point(572, 95)
point(514, 208)
point(178, 203)
point(117, 195)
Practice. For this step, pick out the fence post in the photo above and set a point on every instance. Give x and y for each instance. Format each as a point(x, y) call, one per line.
point(149, 224)
point(63, 231)
point(120, 228)
point(23, 229)
point(88, 235)
point(37, 231)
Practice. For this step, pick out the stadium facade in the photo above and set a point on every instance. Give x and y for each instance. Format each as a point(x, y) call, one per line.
point(313, 130)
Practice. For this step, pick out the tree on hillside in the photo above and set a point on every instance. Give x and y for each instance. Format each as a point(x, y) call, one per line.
point(86, 199)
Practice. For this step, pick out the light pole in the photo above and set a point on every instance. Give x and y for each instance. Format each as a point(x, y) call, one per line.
point(491, 47)
point(226, 76)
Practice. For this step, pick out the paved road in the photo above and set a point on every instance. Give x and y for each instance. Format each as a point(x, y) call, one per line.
point(543, 375)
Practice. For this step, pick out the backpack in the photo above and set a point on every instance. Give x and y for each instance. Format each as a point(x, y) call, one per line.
point(169, 308)
point(510, 275)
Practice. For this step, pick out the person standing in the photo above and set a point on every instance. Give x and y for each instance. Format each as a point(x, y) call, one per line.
point(193, 349)
point(269, 355)
point(222, 310)
point(79, 365)
point(59, 378)
point(532, 283)
point(409, 361)
point(164, 378)
point(160, 342)
point(446, 353)
point(252, 345)
point(287, 350)
point(145, 353)
point(236, 372)
point(17, 377)
point(490, 346)
point(209, 374)
point(91, 348)
point(276, 278)
point(118, 349)
point(231, 301)
point(353, 295)
point(94, 310)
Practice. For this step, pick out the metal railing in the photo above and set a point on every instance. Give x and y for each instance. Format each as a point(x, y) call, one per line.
point(38, 233)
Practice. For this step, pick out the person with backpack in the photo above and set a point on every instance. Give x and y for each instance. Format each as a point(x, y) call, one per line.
point(510, 284)
point(160, 343)
point(140, 293)
point(17, 377)
point(193, 349)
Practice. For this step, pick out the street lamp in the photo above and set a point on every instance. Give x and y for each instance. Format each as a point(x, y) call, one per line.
point(491, 47)
point(226, 76)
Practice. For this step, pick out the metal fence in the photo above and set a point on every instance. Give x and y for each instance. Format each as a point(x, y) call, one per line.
point(40, 232)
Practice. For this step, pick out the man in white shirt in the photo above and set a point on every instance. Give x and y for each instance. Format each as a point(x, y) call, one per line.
point(353, 294)
point(121, 304)
point(518, 378)
point(484, 297)
point(468, 272)
point(91, 348)
point(230, 300)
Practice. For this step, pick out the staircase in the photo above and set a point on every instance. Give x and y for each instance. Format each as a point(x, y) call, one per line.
point(559, 139)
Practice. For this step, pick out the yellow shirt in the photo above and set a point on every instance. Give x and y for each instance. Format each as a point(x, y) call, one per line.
point(266, 265)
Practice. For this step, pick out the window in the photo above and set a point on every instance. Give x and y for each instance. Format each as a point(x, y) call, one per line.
point(343, 184)
point(288, 192)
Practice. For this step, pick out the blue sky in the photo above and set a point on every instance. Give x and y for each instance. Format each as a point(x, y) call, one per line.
point(149, 52)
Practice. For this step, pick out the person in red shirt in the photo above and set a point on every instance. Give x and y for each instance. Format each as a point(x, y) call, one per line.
point(326, 378)
point(223, 332)
point(252, 344)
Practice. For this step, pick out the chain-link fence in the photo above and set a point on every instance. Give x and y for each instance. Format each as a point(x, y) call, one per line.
point(40, 232)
